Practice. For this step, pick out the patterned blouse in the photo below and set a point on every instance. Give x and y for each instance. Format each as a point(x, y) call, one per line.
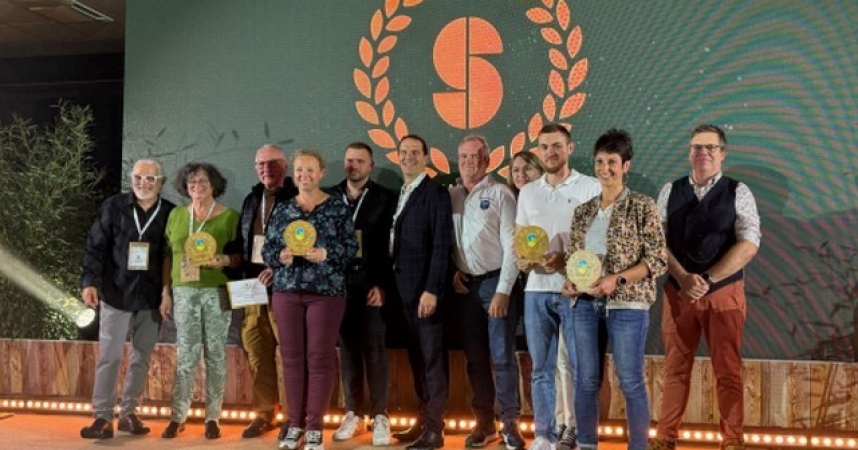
point(635, 234)
point(334, 232)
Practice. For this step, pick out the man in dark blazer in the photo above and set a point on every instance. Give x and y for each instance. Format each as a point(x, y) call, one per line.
point(421, 242)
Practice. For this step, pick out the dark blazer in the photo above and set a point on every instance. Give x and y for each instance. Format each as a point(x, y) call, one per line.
point(374, 221)
point(244, 235)
point(423, 242)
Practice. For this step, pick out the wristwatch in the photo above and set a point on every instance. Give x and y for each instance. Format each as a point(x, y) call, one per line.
point(707, 278)
point(621, 280)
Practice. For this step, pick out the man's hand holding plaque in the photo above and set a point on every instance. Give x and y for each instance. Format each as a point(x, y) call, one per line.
point(583, 269)
point(530, 245)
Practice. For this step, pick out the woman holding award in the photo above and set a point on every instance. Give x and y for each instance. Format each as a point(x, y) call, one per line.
point(309, 241)
point(616, 253)
point(199, 238)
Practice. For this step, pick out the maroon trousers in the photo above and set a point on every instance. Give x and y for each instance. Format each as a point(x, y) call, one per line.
point(308, 326)
point(719, 317)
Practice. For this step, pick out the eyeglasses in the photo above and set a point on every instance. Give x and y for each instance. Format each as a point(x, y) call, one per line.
point(146, 178)
point(270, 162)
point(708, 147)
point(199, 182)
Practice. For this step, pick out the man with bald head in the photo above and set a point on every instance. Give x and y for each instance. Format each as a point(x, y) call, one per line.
point(258, 330)
point(122, 279)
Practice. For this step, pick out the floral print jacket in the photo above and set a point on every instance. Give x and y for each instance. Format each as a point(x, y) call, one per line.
point(334, 232)
point(635, 234)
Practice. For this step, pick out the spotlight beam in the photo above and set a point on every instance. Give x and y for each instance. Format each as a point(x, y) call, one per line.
point(18, 272)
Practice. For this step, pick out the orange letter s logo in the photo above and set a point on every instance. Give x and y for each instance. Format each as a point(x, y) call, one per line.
point(478, 85)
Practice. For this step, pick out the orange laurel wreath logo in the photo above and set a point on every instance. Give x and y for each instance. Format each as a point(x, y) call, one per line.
point(561, 101)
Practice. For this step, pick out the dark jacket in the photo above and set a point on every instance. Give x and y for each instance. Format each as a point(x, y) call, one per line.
point(373, 267)
point(423, 242)
point(249, 211)
point(105, 259)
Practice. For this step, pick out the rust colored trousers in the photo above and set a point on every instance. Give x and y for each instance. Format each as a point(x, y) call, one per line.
point(719, 317)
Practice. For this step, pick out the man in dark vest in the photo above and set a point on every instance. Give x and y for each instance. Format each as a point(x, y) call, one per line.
point(713, 232)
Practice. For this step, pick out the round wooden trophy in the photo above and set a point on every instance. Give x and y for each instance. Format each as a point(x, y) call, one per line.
point(531, 243)
point(200, 248)
point(583, 268)
point(300, 236)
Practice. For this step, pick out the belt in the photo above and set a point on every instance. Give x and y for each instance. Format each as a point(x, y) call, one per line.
point(490, 274)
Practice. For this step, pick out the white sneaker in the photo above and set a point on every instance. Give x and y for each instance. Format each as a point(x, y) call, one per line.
point(313, 440)
point(351, 426)
point(380, 431)
point(294, 439)
point(541, 443)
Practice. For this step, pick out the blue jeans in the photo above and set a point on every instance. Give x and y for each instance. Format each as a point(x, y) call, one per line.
point(627, 330)
point(546, 315)
point(489, 346)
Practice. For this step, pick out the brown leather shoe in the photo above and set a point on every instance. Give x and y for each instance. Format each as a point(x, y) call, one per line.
point(257, 428)
point(660, 444)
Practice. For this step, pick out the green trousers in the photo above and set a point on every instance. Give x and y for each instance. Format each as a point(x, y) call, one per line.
point(201, 327)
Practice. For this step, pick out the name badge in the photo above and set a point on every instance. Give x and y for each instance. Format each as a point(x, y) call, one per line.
point(359, 237)
point(256, 254)
point(190, 272)
point(138, 256)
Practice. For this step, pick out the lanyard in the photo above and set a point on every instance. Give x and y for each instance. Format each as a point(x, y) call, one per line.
point(262, 218)
point(149, 222)
point(360, 202)
point(191, 219)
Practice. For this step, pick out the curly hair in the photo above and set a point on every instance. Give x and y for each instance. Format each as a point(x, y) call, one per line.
point(217, 180)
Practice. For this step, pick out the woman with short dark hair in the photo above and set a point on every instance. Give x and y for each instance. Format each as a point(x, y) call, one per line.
point(201, 243)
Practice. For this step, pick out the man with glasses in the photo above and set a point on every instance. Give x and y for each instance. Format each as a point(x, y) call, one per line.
point(549, 203)
point(713, 232)
point(258, 332)
point(123, 259)
point(484, 227)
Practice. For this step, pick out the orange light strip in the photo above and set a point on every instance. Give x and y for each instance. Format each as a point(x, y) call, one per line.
point(453, 425)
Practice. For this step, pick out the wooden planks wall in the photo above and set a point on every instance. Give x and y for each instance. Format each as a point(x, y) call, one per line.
point(788, 394)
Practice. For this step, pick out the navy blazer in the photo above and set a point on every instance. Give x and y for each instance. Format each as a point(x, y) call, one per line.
point(423, 242)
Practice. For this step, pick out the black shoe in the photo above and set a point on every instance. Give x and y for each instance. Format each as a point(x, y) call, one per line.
point(482, 434)
point(257, 428)
point(429, 440)
point(132, 424)
point(284, 430)
point(568, 440)
point(212, 429)
point(100, 429)
point(173, 430)
point(409, 434)
point(512, 437)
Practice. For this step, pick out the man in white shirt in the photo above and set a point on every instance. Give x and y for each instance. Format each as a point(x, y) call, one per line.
point(549, 203)
point(484, 224)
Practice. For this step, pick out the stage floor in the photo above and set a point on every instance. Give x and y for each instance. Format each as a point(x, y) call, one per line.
point(30, 431)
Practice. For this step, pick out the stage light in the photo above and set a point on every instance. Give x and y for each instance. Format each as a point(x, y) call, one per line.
point(43, 290)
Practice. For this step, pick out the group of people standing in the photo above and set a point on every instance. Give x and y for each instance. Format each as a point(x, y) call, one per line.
point(424, 246)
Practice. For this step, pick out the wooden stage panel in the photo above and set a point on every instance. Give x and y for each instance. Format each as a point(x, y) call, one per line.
point(786, 394)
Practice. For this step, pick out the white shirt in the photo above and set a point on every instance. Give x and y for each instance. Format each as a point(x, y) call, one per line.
point(747, 225)
point(484, 228)
point(551, 208)
point(405, 193)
